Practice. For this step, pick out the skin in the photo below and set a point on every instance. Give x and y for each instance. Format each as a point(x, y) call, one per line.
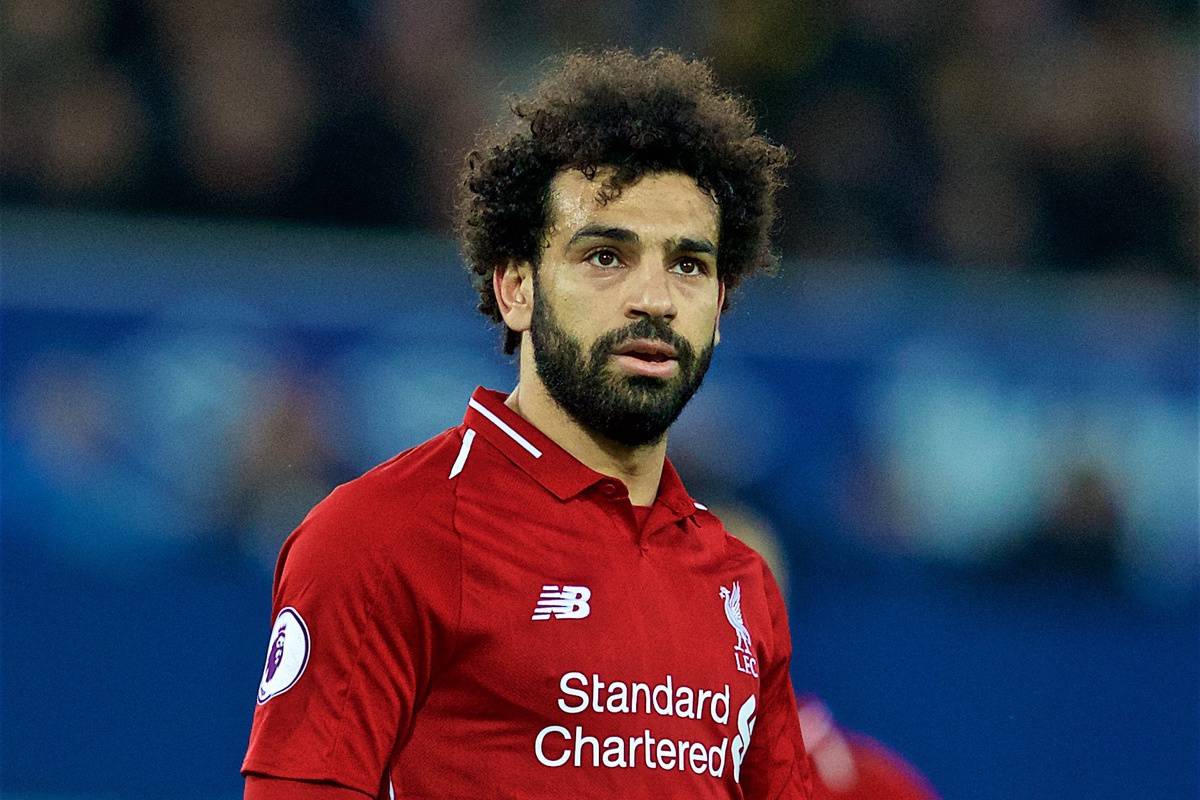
point(598, 283)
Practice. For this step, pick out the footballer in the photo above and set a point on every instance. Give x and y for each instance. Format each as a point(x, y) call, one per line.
point(531, 605)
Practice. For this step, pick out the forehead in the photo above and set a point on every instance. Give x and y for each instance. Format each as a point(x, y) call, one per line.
point(657, 205)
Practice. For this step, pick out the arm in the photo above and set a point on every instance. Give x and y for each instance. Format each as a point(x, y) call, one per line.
point(370, 586)
point(264, 787)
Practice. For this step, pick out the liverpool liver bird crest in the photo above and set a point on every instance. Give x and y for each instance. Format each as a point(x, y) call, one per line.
point(733, 612)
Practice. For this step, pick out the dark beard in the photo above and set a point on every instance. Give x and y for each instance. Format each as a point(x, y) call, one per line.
point(633, 410)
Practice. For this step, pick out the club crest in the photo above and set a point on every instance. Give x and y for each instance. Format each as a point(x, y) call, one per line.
point(743, 651)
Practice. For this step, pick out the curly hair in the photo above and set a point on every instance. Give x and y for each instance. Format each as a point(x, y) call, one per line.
point(633, 115)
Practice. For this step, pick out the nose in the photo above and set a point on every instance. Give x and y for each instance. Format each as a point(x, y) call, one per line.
point(650, 292)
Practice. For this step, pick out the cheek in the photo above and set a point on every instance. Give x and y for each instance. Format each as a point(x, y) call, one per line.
point(578, 321)
point(706, 312)
point(706, 331)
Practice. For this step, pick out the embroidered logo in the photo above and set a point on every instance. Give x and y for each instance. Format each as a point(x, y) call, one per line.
point(569, 602)
point(743, 651)
point(287, 655)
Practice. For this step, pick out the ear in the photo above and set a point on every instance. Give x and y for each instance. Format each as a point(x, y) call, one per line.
point(512, 284)
point(720, 305)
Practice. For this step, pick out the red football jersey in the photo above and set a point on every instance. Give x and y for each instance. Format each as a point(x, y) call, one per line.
point(483, 616)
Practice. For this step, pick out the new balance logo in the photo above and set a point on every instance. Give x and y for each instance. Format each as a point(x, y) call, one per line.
point(569, 602)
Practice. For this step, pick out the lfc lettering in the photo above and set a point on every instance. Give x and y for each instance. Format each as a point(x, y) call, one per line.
point(745, 662)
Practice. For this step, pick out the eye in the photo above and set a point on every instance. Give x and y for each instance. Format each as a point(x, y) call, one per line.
point(690, 267)
point(605, 259)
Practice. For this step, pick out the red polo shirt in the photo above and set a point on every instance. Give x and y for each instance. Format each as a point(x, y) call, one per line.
point(484, 616)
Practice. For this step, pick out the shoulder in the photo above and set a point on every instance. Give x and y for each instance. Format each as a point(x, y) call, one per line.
point(743, 554)
point(737, 553)
point(406, 502)
point(755, 564)
point(749, 543)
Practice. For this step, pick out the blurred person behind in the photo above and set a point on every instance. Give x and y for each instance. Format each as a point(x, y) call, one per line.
point(852, 766)
point(74, 128)
point(285, 462)
point(1076, 539)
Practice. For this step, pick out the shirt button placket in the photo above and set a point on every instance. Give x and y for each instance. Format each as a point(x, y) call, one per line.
point(621, 518)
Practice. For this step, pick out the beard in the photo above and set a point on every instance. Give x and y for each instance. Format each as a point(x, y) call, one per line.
point(633, 410)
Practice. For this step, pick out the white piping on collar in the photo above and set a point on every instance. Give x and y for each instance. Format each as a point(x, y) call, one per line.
point(700, 506)
point(502, 425)
point(463, 451)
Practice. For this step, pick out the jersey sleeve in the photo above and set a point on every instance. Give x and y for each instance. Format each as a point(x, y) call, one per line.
point(777, 765)
point(366, 602)
point(263, 788)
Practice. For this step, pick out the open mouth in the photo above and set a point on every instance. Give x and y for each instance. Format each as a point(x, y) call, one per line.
point(647, 350)
point(647, 357)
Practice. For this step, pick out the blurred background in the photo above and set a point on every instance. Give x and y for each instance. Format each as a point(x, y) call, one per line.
point(963, 419)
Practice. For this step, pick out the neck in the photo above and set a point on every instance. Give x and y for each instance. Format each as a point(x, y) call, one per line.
point(639, 468)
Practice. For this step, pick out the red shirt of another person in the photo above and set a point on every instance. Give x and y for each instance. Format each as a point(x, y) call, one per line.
point(483, 616)
point(850, 766)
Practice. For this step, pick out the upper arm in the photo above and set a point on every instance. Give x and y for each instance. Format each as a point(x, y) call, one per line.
point(263, 787)
point(376, 585)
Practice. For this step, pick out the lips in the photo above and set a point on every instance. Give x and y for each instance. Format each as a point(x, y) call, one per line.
point(649, 358)
point(647, 350)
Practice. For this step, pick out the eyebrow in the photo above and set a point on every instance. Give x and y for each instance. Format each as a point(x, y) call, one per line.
point(688, 245)
point(684, 244)
point(604, 232)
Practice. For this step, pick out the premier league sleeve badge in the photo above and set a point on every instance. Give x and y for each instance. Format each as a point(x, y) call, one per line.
point(287, 655)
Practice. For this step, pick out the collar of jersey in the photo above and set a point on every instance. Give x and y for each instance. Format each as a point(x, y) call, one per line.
point(537, 454)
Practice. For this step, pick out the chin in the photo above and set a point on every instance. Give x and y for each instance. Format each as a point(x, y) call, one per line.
point(643, 384)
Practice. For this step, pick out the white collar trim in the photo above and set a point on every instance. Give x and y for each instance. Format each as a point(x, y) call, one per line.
point(506, 428)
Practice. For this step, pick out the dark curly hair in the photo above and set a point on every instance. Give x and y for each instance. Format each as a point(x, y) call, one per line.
point(635, 115)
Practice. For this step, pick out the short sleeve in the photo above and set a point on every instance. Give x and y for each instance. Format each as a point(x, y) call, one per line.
point(366, 601)
point(777, 765)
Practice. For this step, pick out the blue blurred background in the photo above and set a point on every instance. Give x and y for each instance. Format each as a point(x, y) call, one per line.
point(966, 411)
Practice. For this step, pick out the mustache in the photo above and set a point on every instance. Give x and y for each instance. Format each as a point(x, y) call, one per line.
point(652, 328)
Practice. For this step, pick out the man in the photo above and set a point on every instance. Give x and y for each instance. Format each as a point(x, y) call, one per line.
point(530, 605)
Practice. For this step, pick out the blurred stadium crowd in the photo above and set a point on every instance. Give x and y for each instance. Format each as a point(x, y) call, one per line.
point(1056, 133)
